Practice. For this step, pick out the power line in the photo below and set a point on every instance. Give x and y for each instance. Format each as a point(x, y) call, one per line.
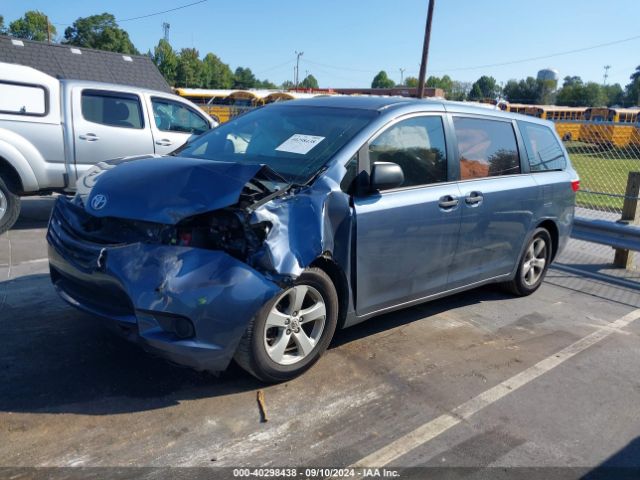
point(542, 57)
point(164, 11)
point(147, 15)
point(511, 62)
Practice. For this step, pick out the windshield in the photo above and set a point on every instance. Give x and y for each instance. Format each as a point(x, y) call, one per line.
point(294, 141)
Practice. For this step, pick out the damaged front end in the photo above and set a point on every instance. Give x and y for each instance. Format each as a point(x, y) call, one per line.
point(186, 287)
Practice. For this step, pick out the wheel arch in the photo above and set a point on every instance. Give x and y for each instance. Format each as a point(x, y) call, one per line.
point(339, 280)
point(551, 227)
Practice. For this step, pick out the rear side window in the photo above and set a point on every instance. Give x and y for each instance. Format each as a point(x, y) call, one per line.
point(543, 150)
point(418, 146)
point(487, 148)
point(113, 109)
point(20, 99)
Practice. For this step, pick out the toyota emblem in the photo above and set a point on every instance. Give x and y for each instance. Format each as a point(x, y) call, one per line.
point(98, 202)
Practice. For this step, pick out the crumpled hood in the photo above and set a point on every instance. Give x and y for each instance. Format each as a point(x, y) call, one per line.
point(164, 189)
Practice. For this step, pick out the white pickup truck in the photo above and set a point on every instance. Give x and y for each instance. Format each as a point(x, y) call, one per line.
point(52, 131)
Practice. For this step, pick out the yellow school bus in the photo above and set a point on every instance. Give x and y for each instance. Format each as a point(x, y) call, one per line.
point(612, 127)
point(568, 120)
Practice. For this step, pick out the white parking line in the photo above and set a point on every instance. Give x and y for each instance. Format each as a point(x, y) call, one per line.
point(441, 424)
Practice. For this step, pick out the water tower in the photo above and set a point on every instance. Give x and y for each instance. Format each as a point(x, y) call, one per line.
point(548, 74)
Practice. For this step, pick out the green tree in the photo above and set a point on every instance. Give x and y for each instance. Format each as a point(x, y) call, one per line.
point(100, 32)
point(411, 82)
point(570, 81)
point(309, 82)
point(189, 71)
point(529, 90)
point(244, 78)
point(215, 73)
point(575, 93)
point(32, 26)
point(633, 89)
point(459, 90)
point(445, 83)
point(287, 85)
point(484, 87)
point(381, 80)
point(166, 60)
point(614, 94)
point(265, 84)
point(3, 30)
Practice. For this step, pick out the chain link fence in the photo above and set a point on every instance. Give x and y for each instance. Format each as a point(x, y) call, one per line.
point(603, 154)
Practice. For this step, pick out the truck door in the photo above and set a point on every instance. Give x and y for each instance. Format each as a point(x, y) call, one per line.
point(173, 123)
point(108, 124)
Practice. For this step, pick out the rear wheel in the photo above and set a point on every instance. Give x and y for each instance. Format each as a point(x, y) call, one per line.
point(292, 331)
point(9, 207)
point(533, 265)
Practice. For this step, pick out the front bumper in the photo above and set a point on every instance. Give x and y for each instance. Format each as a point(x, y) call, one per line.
point(142, 288)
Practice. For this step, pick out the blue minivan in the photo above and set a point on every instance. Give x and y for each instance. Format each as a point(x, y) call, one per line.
point(258, 239)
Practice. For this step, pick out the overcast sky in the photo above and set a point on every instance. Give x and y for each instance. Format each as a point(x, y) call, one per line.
point(345, 43)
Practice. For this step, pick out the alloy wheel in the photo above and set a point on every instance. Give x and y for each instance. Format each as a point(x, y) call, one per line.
point(294, 325)
point(534, 262)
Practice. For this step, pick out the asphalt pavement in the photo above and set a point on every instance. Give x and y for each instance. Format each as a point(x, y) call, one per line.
point(477, 380)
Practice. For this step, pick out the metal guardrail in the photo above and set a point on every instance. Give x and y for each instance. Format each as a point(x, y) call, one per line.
point(618, 235)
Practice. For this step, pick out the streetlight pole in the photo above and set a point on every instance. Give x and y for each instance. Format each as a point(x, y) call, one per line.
point(402, 76)
point(425, 50)
point(298, 55)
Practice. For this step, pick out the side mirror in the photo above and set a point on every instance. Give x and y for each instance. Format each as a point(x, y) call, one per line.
point(386, 175)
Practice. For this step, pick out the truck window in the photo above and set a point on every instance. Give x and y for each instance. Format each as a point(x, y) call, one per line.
point(175, 117)
point(21, 99)
point(487, 148)
point(543, 150)
point(112, 108)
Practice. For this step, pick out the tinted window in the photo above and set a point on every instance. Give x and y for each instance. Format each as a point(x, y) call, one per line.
point(174, 117)
point(295, 141)
point(116, 110)
point(543, 149)
point(417, 145)
point(22, 99)
point(487, 148)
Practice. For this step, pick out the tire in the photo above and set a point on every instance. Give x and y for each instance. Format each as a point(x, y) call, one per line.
point(524, 282)
point(259, 349)
point(9, 207)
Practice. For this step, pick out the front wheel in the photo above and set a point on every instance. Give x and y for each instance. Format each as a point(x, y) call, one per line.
point(533, 264)
point(292, 331)
point(9, 207)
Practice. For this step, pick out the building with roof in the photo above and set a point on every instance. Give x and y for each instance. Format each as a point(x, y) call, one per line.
point(69, 62)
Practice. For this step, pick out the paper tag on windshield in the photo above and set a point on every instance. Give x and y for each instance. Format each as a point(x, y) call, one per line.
point(298, 143)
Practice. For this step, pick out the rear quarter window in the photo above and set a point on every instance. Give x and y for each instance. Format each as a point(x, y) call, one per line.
point(543, 149)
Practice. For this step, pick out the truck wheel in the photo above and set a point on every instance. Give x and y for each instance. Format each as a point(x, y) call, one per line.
point(9, 207)
point(292, 331)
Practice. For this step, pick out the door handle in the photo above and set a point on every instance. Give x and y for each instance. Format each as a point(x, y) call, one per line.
point(89, 137)
point(474, 198)
point(448, 201)
point(164, 142)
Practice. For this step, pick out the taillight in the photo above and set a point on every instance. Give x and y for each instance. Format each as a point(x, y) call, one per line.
point(575, 185)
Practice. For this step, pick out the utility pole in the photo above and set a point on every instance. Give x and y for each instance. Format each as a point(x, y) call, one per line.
point(402, 76)
point(606, 74)
point(425, 50)
point(298, 55)
point(165, 28)
point(48, 29)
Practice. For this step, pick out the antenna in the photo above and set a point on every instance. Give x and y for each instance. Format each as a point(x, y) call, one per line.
point(165, 28)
